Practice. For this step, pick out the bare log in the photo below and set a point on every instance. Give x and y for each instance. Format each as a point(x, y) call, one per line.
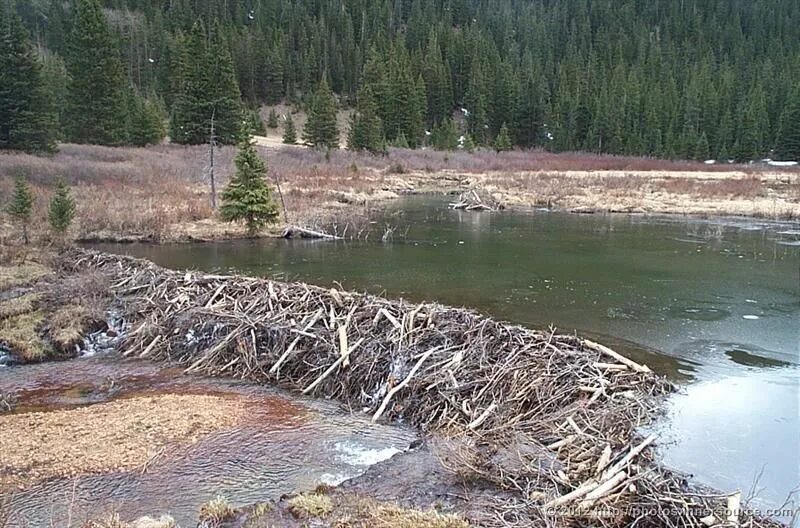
point(619, 357)
point(294, 231)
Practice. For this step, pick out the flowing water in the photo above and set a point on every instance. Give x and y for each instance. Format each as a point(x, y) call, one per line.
point(283, 444)
point(714, 304)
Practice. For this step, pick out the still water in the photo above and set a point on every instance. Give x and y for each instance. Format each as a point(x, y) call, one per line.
point(714, 304)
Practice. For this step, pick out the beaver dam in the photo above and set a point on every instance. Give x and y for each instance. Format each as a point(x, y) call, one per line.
point(551, 420)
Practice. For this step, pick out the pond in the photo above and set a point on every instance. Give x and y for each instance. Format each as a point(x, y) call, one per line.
point(714, 304)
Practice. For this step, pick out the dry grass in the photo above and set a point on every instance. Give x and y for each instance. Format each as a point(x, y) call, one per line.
point(355, 511)
point(18, 305)
point(20, 334)
point(130, 192)
point(307, 505)
point(257, 515)
point(217, 510)
point(116, 436)
point(769, 195)
point(161, 193)
point(275, 135)
point(342, 509)
point(51, 319)
point(68, 324)
point(111, 520)
point(73, 316)
point(24, 274)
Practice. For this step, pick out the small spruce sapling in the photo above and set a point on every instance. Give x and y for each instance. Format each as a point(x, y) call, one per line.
point(62, 209)
point(272, 120)
point(503, 141)
point(289, 133)
point(21, 205)
point(248, 197)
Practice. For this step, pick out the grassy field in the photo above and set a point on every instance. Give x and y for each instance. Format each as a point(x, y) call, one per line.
point(162, 193)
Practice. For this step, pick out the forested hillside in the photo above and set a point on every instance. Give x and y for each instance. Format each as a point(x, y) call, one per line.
point(670, 78)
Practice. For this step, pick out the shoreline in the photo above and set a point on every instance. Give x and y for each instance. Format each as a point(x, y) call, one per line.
point(160, 194)
point(212, 230)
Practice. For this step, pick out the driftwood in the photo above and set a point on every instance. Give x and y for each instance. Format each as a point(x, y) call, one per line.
point(470, 201)
point(484, 386)
point(293, 231)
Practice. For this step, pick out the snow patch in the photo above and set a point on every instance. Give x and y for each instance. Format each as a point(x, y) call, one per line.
point(781, 163)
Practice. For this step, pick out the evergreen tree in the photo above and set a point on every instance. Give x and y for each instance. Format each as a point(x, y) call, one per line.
point(21, 205)
point(289, 134)
point(207, 90)
point(437, 83)
point(54, 77)
point(248, 197)
point(528, 115)
point(254, 123)
point(701, 149)
point(788, 146)
point(27, 121)
point(401, 141)
point(629, 77)
point(62, 208)
point(746, 147)
point(475, 104)
point(468, 144)
point(321, 129)
point(366, 129)
point(96, 102)
point(272, 120)
point(502, 142)
point(146, 121)
point(445, 136)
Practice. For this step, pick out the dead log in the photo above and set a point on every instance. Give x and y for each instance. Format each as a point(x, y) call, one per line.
point(304, 232)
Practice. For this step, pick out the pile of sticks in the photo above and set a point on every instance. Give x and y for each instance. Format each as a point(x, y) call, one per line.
point(470, 201)
point(551, 417)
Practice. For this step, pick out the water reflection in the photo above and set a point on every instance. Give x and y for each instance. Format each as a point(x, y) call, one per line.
point(722, 423)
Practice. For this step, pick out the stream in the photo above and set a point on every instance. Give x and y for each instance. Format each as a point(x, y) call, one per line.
point(712, 303)
point(284, 444)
